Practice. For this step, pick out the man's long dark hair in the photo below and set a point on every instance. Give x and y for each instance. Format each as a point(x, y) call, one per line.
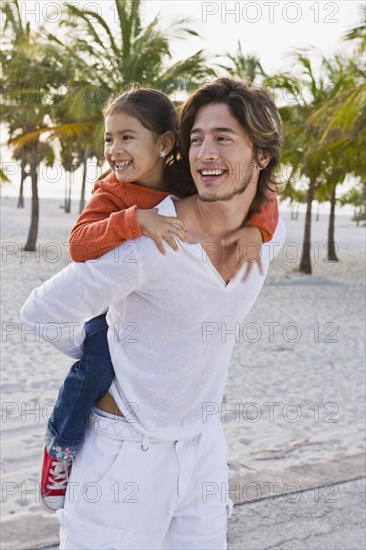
point(257, 114)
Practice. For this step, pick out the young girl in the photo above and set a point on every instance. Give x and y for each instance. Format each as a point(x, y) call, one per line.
point(140, 147)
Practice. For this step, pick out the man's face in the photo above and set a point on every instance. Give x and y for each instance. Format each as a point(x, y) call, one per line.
point(221, 156)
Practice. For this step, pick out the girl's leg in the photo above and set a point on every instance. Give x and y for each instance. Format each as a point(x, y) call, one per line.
point(88, 380)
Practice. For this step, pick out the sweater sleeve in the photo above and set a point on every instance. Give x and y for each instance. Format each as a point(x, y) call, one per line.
point(104, 224)
point(266, 219)
point(57, 310)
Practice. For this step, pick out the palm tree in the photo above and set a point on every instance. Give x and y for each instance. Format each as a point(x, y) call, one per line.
point(130, 53)
point(358, 33)
point(32, 71)
point(243, 66)
point(3, 177)
point(13, 21)
point(347, 119)
point(327, 192)
point(303, 135)
point(20, 154)
point(294, 194)
point(80, 112)
point(84, 153)
point(109, 59)
point(356, 196)
point(70, 163)
point(343, 120)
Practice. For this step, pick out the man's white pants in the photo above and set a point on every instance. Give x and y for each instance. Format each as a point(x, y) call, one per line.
point(127, 491)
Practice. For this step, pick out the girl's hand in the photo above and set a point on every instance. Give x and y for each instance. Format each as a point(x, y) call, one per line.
point(248, 241)
point(159, 227)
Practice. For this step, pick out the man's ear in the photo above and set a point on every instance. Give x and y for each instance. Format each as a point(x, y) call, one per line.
point(264, 158)
point(167, 141)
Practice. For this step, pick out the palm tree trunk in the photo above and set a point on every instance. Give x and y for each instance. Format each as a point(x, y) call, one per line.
point(69, 197)
point(23, 175)
point(292, 210)
point(30, 245)
point(358, 216)
point(82, 195)
point(305, 263)
point(332, 256)
point(67, 193)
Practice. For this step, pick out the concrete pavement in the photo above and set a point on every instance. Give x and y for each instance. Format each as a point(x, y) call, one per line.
point(318, 506)
point(327, 520)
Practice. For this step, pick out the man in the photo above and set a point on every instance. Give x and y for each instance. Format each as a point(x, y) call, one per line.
point(146, 478)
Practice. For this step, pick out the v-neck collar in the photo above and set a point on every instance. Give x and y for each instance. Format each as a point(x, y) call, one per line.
point(205, 259)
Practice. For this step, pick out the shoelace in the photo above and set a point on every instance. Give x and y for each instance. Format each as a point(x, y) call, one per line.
point(59, 473)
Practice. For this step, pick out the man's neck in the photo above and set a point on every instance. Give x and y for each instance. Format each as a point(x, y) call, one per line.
point(212, 221)
point(208, 223)
point(218, 219)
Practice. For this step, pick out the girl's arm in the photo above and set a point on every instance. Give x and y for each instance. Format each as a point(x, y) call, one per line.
point(259, 229)
point(105, 223)
point(266, 219)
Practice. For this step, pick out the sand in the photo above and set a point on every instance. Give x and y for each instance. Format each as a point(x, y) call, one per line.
point(295, 392)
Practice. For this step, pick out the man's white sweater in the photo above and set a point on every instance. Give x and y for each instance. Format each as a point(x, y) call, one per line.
point(172, 321)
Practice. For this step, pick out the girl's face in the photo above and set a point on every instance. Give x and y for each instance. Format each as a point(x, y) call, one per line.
point(133, 151)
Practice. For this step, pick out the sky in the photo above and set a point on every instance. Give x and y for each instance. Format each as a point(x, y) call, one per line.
point(269, 29)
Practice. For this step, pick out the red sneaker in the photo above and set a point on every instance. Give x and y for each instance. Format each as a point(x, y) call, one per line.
point(55, 474)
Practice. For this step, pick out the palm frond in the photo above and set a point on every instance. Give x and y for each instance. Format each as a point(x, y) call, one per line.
point(83, 16)
point(75, 129)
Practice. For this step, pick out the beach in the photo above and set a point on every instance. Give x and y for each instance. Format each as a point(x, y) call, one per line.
point(295, 390)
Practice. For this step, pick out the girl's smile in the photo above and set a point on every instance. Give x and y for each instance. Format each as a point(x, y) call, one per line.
point(133, 151)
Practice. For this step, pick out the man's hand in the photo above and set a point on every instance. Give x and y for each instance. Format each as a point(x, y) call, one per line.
point(159, 227)
point(248, 241)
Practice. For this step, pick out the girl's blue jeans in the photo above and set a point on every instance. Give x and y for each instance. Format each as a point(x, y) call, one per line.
point(87, 381)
